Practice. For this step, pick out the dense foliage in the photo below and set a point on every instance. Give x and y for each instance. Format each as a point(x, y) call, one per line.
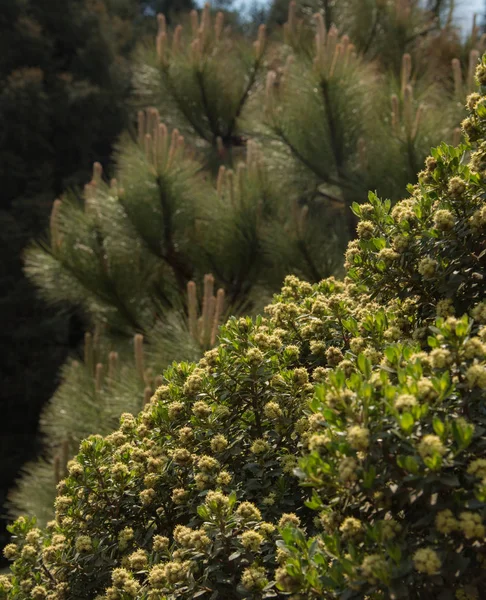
point(381, 394)
point(247, 171)
point(325, 143)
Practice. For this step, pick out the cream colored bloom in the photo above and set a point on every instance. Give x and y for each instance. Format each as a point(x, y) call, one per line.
point(351, 527)
point(430, 445)
point(427, 267)
point(426, 560)
point(358, 437)
point(471, 525)
point(347, 470)
point(445, 522)
point(251, 540)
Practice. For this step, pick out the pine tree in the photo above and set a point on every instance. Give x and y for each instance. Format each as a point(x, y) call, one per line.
point(263, 148)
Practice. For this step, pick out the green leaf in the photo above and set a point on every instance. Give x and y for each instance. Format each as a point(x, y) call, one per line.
point(411, 465)
point(232, 499)
point(234, 556)
point(315, 503)
point(462, 432)
point(203, 512)
point(369, 477)
point(462, 328)
point(433, 462)
point(406, 422)
point(395, 553)
point(391, 354)
point(450, 480)
point(364, 365)
point(373, 198)
point(438, 426)
point(379, 243)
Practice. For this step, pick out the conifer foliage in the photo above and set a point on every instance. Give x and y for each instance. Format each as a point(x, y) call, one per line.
point(382, 395)
point(210, 87)
point(244, 166)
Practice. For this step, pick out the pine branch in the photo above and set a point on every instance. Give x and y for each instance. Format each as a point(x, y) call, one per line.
point(299, 155)
point(307, 163)
point(422, 33)
point(107, 297)
point(243, 98)
point(182, 271)
point(182, 107)
point(213, 125)
point(331, 124)
point(327, 14)
point(373, 29)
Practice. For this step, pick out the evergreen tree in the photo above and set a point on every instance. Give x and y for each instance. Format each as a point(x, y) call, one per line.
point(264, 147)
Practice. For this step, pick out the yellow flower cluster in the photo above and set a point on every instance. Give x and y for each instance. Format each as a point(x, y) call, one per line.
point(260, 446)
point(477, 468)
point(10, 551)
point(254, 578)
point(169, 573)
point(358, 437)
point(84, 544)
point(476, 376)
point(444, 220)
point(389, 529)
point(122, 581)
point(374, 568)
point(272, 410)
point(160, 543)
point(404, 402)
point(218, 500)
point(289, 520)
point(479, 312)
point(175, 409)
point(251, 540)
point(147, 496)
point(190, 538)
point(427, 267)
point(351, 528)
point(347, 470)
point(426, 560)
point(430, 445)
point(471, 525)
point(445, 522)
point(5, 584)
point(219, 443)
point(201, 409)
point(194, 382)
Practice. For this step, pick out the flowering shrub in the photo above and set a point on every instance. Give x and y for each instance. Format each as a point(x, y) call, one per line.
point(394, 449)
point(378, 382)
point(431, 245)
point(395, 455)
point(213, 454)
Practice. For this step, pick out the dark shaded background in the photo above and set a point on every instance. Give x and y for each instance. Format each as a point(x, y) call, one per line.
point(64, 87)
